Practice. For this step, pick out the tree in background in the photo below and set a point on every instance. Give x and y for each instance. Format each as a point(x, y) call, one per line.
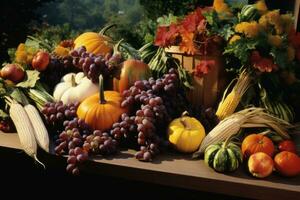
point(158, 8)
point(15, 18)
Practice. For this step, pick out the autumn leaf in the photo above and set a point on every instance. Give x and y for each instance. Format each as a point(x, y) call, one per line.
point(204, 67)
point(161, 36)
point(191, 21)
point(187, 43)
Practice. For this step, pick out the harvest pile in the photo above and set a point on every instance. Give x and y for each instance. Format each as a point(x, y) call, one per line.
point(94, 96)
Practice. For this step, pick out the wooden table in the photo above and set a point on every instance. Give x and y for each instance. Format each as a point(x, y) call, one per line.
point(180, 171)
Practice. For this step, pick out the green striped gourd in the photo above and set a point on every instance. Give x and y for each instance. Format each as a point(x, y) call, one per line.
point(223, 156)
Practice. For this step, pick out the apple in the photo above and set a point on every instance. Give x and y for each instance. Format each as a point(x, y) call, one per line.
point(260, 165)
point(40, 61)
point(13, 72)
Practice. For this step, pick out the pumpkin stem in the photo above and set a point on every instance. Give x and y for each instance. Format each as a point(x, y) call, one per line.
point(73, 82)
point(102, 31)
point(185, 124)
point(101, 92)
point(185, 113)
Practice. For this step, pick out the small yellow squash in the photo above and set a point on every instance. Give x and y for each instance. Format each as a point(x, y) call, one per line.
point(186, 133)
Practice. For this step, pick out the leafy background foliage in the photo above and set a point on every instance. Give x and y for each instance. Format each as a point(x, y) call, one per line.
point(62, 19)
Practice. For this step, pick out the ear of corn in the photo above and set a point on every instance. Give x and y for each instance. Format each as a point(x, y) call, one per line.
point(40, 131)
point(247, 118)
point(24, 128)
point(228, 105)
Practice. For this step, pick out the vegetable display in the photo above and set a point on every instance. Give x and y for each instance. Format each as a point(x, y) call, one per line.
point(108, 96)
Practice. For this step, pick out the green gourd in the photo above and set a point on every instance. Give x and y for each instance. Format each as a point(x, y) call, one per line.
point(223, 156)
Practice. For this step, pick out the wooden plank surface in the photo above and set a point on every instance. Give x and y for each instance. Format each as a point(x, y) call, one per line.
point(10, 140)
point(181, 171)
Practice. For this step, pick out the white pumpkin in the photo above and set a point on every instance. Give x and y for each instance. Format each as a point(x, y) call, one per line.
point(74, 88)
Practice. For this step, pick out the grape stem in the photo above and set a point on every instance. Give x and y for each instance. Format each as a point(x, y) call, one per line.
point(101, 92)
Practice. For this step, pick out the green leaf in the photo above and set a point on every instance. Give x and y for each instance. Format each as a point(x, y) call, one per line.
point(3, 115)
point(211, 17)
point(32, 44)
point(167, 20)
point(30, 79)
point(226, 32)
point(241, 49)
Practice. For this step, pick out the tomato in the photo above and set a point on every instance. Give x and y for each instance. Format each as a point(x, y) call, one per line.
point(40, 61)
point(287, 163)
point(287, 145)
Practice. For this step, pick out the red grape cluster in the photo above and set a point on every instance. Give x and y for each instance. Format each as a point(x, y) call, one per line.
point(149, 98)
point(78, 140)
point(100, 143)
point(91, 65)
point(76, 130)
point(76, 156)
point(56, 113)
point(123, 128)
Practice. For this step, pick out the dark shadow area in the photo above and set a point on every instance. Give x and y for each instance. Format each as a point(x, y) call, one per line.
point(18, 172)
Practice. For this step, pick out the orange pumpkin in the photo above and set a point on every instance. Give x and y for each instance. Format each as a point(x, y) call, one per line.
point(287, 163)
point(102, 110)
point(96, 43)
point(132, 70)
point(257, 143)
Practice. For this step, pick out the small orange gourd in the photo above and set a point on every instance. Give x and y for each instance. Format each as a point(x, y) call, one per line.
point(96, 43)
point(257, 143)
point(101, 110)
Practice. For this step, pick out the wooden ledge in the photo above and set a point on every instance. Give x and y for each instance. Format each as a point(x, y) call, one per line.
point(180, 171)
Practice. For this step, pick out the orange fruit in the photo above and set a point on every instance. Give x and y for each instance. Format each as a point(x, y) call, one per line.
point(287, 163)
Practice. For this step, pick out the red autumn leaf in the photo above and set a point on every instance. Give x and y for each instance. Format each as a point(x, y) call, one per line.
point(265, 65)
point(187, 43)
point(172, 34)
point(192, 20)
point(166, 36)
point(161, 36)
point(204, 67)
